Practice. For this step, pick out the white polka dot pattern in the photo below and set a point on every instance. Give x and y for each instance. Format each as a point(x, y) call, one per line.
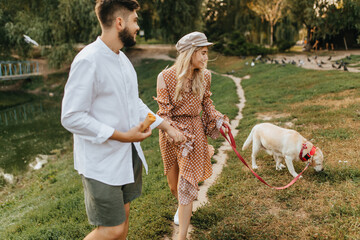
point(184, 115)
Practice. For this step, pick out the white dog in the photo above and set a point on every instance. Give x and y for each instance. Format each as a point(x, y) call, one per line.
point(283, 143)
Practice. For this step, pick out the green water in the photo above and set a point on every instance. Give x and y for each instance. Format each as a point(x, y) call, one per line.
point(31, 125)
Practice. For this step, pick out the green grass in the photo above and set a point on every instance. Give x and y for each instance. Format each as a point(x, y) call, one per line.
point(48, 204)
point(322, 205)
point(352, 59)
point(323, 106)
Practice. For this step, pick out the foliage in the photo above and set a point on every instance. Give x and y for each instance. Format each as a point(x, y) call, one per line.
point(58, 25)
point(339, 21)
point(234, 44)
point(225, 17)
point(4, 41)
point(177, 18)
point(284, 45)
point(287, 29)
point(328, 22)
point(53, 24)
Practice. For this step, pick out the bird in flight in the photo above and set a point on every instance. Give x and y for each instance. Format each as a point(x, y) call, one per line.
point(29, 40)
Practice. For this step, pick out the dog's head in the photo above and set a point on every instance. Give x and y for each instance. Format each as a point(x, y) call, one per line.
point(318, 160)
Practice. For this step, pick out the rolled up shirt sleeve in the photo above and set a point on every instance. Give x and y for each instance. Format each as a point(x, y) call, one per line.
point(80, 90)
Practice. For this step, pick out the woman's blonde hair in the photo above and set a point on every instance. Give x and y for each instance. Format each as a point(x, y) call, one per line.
point(183, 68)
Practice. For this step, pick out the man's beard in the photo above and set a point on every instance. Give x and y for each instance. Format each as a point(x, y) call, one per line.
point(126, 37)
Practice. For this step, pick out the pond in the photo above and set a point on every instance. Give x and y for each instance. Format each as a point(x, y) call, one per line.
point(32, 126)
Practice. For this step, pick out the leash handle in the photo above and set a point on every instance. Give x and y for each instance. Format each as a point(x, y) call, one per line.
point(231, 140)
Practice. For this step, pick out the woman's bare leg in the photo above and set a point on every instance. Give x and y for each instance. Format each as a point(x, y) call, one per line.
point(173, 179)
point(185, 212)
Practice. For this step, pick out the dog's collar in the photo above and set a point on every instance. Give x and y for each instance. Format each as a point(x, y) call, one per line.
point(308, 155)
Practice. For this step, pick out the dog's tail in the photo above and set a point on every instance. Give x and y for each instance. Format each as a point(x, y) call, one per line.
point(248, 140)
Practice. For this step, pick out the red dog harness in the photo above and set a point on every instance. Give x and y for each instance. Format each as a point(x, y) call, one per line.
point(308, 155)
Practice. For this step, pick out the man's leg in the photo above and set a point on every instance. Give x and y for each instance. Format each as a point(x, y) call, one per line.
point(109, 233)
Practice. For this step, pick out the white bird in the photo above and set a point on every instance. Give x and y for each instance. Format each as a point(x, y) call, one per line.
point(301, 63)
point(29, 40)
point(252, 64)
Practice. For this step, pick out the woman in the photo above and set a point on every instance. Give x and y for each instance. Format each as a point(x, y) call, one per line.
point(183, 93)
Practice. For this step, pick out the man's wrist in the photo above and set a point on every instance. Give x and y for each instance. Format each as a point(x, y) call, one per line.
point(120, 136)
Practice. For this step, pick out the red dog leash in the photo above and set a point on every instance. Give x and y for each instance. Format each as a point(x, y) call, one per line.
point(231, 140)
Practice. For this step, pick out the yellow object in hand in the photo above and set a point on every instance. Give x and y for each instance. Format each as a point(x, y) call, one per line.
point(150, 119)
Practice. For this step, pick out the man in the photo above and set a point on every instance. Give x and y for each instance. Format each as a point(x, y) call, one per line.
point(102, 108)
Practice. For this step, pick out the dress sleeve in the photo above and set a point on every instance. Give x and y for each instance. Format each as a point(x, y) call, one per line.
point(165, 112)
point(211, 118)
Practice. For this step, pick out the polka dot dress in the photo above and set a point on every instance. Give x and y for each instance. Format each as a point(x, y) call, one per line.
point(193, 157)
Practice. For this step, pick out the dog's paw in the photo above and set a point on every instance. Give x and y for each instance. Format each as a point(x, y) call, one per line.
point(254, 166)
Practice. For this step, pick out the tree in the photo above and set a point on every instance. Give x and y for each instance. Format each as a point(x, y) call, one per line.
point(148, 18)
point(328, 22)
point(304, 12)
point(339, 22)
point(177, 18)
point(227, 16)
point(271, 10)
point(56, 25)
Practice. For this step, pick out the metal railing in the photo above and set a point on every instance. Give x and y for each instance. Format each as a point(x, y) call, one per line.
point(11, 70)
point(20, 114)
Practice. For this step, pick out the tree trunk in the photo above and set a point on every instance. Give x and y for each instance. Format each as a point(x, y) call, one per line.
point(308, 44)
point(271, 34)
point(345, 44)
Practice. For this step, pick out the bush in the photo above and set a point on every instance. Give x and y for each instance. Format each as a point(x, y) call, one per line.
point(284, 45)
point(234, 44)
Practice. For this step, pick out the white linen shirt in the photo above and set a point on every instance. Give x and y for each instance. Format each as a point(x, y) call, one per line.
point(101, 95)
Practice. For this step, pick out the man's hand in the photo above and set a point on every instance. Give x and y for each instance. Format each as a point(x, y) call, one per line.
point(136, 135)
point(133, 135)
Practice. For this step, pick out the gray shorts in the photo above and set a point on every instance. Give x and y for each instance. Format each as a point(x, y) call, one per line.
point(104, 203)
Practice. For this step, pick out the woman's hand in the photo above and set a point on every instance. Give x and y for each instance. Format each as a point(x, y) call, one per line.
point(176, 136)
point(225, 129)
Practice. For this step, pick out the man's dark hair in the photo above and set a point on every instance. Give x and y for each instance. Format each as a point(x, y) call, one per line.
point(105, 9)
